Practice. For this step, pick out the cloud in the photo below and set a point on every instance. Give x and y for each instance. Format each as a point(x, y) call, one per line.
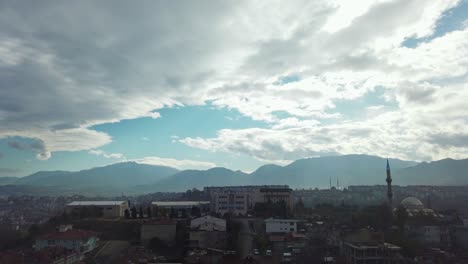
point(176, 163)
point(63, 72)
point(106, 155)
point(36, 145)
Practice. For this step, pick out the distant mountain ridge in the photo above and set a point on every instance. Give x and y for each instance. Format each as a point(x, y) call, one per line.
point(131, 177)
point(118, 176)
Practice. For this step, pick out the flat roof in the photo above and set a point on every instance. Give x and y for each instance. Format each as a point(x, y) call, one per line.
point(83, 203)
point(179, 203)
point(282, 220)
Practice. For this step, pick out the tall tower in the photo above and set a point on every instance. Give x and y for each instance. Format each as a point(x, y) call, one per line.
point(389, 187)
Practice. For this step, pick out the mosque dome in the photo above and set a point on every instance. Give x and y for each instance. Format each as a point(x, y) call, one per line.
point(412, 203)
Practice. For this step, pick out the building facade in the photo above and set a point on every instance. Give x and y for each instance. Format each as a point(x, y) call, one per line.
point(231, 202)
point(367, 253)
point(80, 241)
point(273, 225)
point(274, 194)
point(208, 232)
point(163, 229)
point(106, 209)
point(181, 208)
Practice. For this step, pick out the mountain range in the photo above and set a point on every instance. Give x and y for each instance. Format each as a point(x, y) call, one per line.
point(135, 178)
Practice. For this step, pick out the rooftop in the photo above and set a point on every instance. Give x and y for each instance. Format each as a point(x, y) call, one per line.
point(162, 221)
point(179, 203)
point(97, 203)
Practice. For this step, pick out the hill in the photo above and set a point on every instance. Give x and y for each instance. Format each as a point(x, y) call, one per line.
point(189, 179)
point(441, 172)
point(119, 176)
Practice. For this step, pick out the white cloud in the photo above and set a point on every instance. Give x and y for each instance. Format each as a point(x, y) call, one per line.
point(182, 164)
point(106, 155)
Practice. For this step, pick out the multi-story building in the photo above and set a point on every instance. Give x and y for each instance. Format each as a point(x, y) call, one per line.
point(274, 194)
point(236, 203)
point(181, 208)
point(273, 225)
point(106, 209)
point(240, 199)
point(76, 240)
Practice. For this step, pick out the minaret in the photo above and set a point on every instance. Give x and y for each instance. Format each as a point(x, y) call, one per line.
point(389, 187)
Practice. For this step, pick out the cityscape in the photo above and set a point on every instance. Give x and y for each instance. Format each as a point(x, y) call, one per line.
point(242, 224)
point(226, 132)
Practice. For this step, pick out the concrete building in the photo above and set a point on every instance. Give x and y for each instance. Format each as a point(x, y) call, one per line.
point(164, 229)
point(208, 232)
point(236, 203)
point(76, 240)
point(372, 252)
point(241, 199)
point(273, 225)
point(274, 194)
point(182, 208)
point(106, 209)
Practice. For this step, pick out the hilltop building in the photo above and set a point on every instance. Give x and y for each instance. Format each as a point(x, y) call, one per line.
point(181, 208)
point(106, 209)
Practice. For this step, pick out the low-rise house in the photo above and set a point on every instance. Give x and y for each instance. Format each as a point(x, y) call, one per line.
point(76, 240)
point(164, 229)
point(208, 232)
point(106, 209)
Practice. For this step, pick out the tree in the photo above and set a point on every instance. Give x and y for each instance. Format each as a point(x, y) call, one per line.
point(195, 211)
point(299, 208)
point(148, 212)
point(134, 212)
point(141, 212)
point(127, 213)
point(33, 231)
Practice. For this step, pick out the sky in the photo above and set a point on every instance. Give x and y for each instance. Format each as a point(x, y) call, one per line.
point(238, 84)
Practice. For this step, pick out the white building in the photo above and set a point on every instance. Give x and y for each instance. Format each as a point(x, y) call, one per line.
point(80, 241)
point(231, 202)
point(107, 209)
point(273, 225)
